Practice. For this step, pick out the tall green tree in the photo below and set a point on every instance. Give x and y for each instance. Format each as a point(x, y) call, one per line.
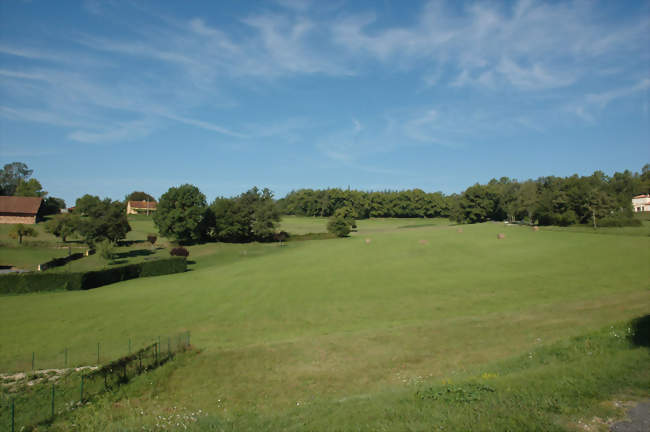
point(250, 216)
point(11, 174)
point(139, 196)
point(101, 220)
point(63, 225)
point(527, 199)
point(182, 214)
point(88, 205)
point(52, 205)
point(30, 188)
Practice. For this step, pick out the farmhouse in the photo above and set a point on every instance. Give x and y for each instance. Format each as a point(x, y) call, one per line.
point(641, 203)
point(14, 209)
point(139, 207)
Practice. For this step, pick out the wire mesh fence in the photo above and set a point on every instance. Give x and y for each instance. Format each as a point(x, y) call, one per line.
point(36, 397)
point(78, 355)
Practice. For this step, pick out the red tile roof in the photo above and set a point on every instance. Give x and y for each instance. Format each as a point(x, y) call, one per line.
point(20, 205)
point(641, 196)
point(143, 204)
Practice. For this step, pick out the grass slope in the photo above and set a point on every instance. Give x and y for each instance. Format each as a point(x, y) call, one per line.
point(349, 319)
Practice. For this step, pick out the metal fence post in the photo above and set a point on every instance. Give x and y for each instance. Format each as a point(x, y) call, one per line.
point(13, 414)
point(98, 353)
point(129, 346)
point(169, 346)
point(66, 358)
point(33, 355)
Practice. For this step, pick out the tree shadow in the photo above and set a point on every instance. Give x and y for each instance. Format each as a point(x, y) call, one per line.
point(133, 253)
point(640, 335)
point(130, 242)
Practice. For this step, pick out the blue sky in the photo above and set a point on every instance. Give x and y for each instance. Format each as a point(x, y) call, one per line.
point(107, 97)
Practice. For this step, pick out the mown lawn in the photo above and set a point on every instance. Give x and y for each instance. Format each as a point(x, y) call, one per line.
point(347, 326)
point(44, 247)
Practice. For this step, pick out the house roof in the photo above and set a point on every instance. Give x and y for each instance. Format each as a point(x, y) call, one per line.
point(641, 196)
point(20, 205)
point(143, 204)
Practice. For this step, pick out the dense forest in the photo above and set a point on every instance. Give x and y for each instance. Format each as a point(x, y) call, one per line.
point(596, 199)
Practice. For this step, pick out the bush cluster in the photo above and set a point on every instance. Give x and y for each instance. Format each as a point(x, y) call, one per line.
point(619, 221)
point(34, 282)
point(179, 252)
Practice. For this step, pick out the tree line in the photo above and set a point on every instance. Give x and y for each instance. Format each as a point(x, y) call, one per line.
point(184, 215)
point(362, 205)
point(546, 201)
point(598, 199)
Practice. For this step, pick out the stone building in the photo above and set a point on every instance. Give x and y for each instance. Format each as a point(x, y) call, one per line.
point(15, 210)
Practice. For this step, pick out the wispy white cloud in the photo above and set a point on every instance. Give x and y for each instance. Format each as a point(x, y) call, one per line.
point(125, 131)
point(489, 44)
point(358, 127)
point(480, 45)
point(203, 125)
point(588, 107)
point(38, 116)
point(602, 99)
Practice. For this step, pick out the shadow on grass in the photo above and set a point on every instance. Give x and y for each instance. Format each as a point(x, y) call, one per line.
point(133, 253)
point(640, 335)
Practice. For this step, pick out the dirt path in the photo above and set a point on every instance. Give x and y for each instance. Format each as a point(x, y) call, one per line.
point(638, 419)
point(10, 381)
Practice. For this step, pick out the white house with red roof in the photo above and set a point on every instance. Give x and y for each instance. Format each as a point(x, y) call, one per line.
point(641, 203)
point(140, 207)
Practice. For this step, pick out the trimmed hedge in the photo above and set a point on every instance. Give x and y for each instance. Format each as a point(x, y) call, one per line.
point(20, 283)
point(33, 282)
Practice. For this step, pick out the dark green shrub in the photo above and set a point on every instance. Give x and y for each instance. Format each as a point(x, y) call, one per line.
point(281, 236)
point(163, 266)
point(179, 252)
point(640, 331)
point(33, 282)
point(619, 221)
point(339, 226)
point(94, 279)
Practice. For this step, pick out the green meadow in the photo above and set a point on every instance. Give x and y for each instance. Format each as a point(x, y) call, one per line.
point(408, 324)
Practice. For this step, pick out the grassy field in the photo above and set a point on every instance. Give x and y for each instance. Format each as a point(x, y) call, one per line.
point(341, 334)
point(45, 246)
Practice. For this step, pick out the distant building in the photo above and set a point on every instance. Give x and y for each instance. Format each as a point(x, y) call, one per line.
point(641, 203)
point(140, 207)
point(15, 210)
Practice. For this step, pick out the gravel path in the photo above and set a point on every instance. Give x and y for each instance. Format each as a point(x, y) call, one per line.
point(638, 420)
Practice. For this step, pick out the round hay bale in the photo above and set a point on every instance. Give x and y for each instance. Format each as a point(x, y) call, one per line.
point(423, 242)
point(460, 230)
point(368, 241)
point(535, 228)
point(501, 236)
